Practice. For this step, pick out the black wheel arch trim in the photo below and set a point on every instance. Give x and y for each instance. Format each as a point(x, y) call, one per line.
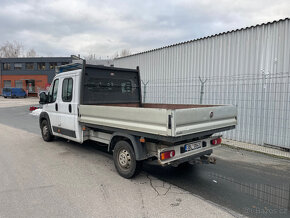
point(45, 116)
point(139, 148)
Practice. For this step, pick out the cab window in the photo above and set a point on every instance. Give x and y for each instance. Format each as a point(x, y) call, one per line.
point(67, 90)
point(53, 91)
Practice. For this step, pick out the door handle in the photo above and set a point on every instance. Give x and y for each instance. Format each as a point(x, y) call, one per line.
point(56, 107)
point(69, 108)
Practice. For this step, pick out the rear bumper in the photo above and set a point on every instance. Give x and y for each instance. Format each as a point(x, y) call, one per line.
point(189, 155)
point(190, 158)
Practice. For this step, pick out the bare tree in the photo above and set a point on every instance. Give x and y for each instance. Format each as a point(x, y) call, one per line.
point(125, 52)
point(31, 53)
point(15, 49)
point(11, 49)
point(90, 57)
point(116, 55)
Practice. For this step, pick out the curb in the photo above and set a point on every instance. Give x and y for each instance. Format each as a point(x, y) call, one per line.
point(257, 149)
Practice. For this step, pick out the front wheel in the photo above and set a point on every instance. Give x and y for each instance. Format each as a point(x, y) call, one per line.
point(125, 160)
point(46, 135)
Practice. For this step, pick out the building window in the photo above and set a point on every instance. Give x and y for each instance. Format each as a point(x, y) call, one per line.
point(7, 83)
point(6, 66)
point(41, 66)
point(52, 65)
point(17, 66)
point(18, 84)
point(29, 66)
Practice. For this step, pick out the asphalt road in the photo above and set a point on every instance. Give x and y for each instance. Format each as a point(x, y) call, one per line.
point(67, 179)
point(252, 184)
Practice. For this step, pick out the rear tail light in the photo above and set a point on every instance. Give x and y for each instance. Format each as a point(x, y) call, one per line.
point(167, 154)
point(216, 141)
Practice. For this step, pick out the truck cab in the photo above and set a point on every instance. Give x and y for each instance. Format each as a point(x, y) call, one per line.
point(61, 106)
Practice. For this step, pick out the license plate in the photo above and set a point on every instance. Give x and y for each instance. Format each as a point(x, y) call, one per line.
point(192, 146)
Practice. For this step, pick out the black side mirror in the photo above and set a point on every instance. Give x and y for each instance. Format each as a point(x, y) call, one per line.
point(43, 98)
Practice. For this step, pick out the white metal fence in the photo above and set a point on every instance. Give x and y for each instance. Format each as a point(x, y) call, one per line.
point(263, 102)
point(247, 67)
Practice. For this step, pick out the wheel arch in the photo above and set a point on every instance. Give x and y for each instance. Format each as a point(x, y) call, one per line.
point(139, 148)
point(45, 116)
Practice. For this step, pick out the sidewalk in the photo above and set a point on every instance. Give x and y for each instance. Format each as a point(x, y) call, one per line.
point(257, 148)
point(14, 102)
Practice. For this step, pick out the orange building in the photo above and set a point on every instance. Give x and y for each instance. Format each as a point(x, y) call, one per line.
point(31, 74)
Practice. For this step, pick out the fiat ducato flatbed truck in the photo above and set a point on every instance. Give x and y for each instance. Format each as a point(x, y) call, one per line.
point(103, 104)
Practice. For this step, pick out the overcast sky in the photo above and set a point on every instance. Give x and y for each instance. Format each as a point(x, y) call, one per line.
point(103, 27)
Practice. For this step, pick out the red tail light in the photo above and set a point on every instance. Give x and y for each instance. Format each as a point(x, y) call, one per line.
point(167, 154)
point(216, 141)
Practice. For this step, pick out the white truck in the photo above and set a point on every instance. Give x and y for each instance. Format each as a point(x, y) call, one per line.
point(103, 104)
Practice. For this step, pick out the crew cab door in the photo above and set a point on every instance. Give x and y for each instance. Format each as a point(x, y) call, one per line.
point(68, 107)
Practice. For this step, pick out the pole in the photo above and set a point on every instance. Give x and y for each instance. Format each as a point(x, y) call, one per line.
point(201, 89)
point(1, 77)
point(144, 94)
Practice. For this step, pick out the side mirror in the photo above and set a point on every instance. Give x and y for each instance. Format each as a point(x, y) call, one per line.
point(43, 98)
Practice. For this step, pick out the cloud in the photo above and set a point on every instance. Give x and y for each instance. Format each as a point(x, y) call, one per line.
point(64, 27)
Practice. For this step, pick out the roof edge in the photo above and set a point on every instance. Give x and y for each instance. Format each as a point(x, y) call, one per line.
point(210, 36)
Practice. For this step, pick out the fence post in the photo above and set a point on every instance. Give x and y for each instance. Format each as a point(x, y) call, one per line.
point(144, 91)
point(201, 89)
point(263, 127)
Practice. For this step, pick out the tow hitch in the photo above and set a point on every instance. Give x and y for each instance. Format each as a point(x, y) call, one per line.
point(207, 160)
point(202, 160)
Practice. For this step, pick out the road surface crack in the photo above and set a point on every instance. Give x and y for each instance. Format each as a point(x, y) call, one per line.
point(155, 188)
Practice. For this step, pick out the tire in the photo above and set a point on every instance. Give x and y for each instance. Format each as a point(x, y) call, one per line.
point(45, 132)
point(5, 96)
point(25, 96)
point(125, 160)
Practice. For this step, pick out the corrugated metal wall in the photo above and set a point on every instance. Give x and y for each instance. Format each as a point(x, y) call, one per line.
point(248, 68)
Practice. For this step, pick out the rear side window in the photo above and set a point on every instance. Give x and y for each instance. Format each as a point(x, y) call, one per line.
point(67, 90)
point(53, 91)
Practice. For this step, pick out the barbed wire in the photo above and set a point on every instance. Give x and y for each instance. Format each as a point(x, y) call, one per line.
point(225, 77)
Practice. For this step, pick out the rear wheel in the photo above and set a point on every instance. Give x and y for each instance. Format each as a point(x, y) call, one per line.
point(45, 132)
point(5, 96)
point(125, 160)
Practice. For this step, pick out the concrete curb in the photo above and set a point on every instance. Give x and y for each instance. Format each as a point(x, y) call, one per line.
point(257, 148)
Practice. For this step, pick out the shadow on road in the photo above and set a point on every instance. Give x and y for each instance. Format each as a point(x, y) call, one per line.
point(232, 186)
